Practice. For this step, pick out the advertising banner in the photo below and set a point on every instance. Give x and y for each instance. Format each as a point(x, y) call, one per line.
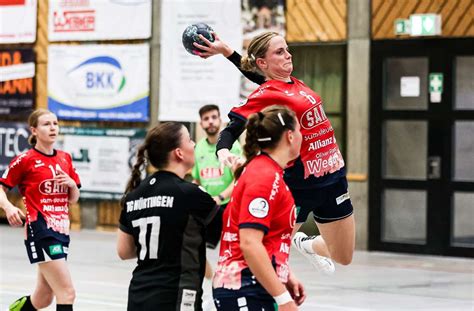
point(82, 20)
point(99, 82)
point(188, 82)
point(17, 21)
point(13, 141)
point(17, 71)
point(103, 158)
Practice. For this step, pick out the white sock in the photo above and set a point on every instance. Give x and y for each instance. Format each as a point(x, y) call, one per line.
point(307, 244)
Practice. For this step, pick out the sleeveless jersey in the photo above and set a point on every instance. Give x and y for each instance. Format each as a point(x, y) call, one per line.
point(166, 216)
point(320, 154)
point(260, 200)
point(46, 202)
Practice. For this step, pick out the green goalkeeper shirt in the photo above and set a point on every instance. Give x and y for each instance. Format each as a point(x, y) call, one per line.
point(207, 170)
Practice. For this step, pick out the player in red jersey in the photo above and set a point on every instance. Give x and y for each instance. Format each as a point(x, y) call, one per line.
point(48, 182)
point(317, 179)
point(253, 271)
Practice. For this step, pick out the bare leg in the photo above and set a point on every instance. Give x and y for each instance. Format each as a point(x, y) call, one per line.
point(59, 279)
point(339, 238)
point(43, 295)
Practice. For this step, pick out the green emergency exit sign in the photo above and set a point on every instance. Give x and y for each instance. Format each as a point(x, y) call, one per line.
point(436, 82)
point(425, 24)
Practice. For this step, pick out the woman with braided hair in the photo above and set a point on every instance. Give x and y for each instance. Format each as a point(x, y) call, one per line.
point(253, 270)
point(162, 224)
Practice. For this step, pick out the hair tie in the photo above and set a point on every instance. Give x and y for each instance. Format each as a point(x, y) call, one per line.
point(252, 57)
point(264, 139)
point(260, 116)
point(281, 119)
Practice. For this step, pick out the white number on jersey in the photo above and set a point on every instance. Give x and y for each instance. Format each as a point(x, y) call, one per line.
point(143, 223)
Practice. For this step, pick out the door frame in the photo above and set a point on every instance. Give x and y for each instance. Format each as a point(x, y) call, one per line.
point(440, 116)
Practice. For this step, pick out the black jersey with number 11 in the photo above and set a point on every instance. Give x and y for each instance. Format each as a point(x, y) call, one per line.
point(166, 216)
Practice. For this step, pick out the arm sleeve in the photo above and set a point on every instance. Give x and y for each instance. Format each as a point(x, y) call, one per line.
point(15, 172)
point(231, 133)
point(235, 58)
point(124, 225)
point(256, 208)
point(204, 207)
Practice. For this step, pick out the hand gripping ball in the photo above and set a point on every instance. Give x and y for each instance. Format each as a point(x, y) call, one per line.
point(191, 34)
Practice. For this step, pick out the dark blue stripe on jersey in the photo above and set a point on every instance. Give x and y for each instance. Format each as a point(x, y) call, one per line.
point(7, 186)
point(253, 225)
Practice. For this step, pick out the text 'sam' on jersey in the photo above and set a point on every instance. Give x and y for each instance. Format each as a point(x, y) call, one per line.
point(320, 154)
point(260, 200)
point(166, 216)
point(46, 202)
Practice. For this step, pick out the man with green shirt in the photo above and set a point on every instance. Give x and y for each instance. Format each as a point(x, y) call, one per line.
point(208, 172)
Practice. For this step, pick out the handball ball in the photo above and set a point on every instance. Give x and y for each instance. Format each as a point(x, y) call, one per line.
point(191, 34)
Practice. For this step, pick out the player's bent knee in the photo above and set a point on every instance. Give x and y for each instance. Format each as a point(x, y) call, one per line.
point(67, 295)
point(343, 258)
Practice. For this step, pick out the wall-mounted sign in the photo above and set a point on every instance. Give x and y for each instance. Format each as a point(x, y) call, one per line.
point(17, 21)
point(82, 20)
point(17, 71)
point(13, 141)
point(99, 82)
point(103, 158)
point(436, 86)
point(419, 25)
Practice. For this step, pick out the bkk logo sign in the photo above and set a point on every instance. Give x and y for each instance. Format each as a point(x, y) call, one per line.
point(99, 82)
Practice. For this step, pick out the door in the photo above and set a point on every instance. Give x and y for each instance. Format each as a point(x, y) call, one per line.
point(421, 197)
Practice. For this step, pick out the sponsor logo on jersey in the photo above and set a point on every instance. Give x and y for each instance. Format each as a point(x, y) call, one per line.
point(259, 208)
point(229, 237)
point(313, 117)
point(211, 172)
point(38, 163)
point(293, 215)
point(321, 143)
point(275, 187)
point(152, 181)
point(51, 187)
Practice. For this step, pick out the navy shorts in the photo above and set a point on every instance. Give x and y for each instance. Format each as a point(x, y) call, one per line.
point(329, 203)
point(249, 303)
point(46, 249)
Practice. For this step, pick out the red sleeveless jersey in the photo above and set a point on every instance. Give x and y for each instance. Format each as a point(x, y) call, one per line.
point(46, 202)
point(260, 200)
point(319, 151)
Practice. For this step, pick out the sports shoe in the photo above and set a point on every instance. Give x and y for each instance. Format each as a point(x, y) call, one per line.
point(321, 263)
point(18, 304)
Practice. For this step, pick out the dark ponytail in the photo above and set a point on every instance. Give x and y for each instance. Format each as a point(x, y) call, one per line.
point(159, 142)
point(264, 131)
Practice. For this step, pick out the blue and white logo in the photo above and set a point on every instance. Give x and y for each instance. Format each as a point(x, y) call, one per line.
point(98, 75)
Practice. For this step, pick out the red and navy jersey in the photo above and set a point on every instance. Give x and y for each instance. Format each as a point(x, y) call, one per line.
point(260, 200)
point(320, 153)
point(46, 202)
